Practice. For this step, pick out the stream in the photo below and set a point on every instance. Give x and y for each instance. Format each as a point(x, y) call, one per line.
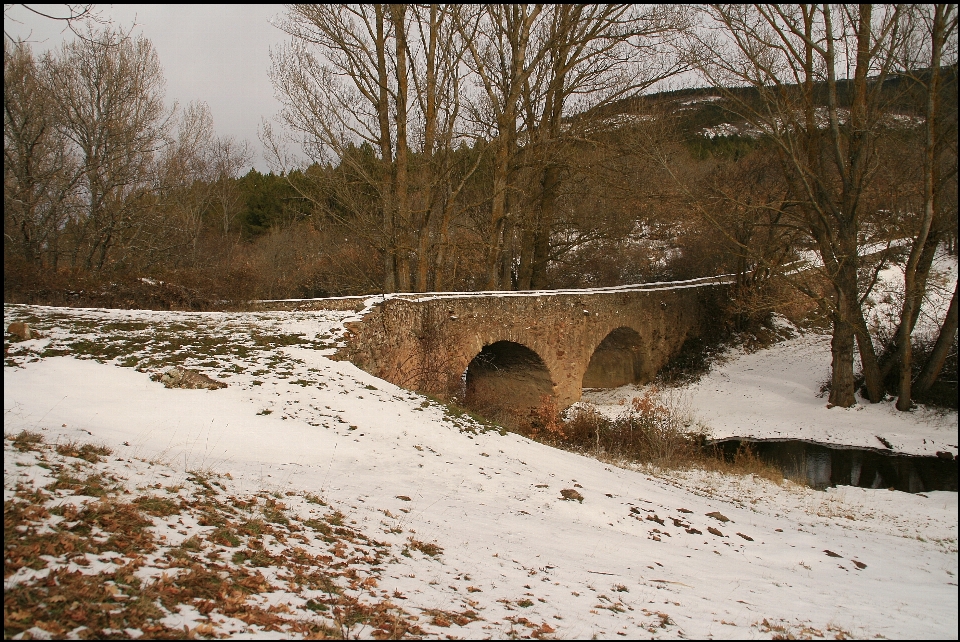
point(823, 465)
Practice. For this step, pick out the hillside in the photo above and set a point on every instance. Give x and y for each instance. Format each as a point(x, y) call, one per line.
point(710, 112)
point(308, 498)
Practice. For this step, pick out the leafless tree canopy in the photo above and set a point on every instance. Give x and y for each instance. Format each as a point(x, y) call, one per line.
point(515, 147)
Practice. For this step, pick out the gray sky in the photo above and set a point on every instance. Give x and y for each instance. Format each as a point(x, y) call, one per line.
point(215, 53)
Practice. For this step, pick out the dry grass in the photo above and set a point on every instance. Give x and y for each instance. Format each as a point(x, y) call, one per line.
point(87, 452)
point(26, 440)
point(431, 549)
point(78, 567)
point(656, 429)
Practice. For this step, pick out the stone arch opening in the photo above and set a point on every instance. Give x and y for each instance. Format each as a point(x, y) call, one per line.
point(505, 381)
point(616, 362)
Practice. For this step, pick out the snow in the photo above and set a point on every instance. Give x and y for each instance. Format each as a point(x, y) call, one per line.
point(492, 501)
point(821, 116)
point(882, 308)
point(775, 394)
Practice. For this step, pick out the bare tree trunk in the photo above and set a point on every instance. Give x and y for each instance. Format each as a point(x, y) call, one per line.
point(841, 381)
point(912, 293)
point(498, 209)
point(401, 176)
point(541, 243)
point(428, 181)
point(844, 332)
point(933, 366)
point(388, 198)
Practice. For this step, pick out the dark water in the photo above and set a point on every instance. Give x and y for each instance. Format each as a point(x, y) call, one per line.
point(823, 465)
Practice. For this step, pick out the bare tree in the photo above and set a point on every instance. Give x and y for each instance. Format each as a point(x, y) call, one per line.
point(385, 78)
point(196, 186)
point(70, 15)
point(228, 157)
point(40, 173)
point(335, 80)
point(938, 26)
point(796, 58)
point(945, 340)
point(504, 50)
point(595, 54)
point(436, 52)
point(108, 91)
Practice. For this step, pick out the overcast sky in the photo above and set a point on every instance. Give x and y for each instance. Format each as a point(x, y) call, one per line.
point(215, 53)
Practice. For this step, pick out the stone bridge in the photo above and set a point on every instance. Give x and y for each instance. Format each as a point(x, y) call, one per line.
point(508, 349)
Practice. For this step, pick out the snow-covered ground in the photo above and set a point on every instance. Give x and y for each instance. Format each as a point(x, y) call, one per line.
point(646, 554)
point(775, 394)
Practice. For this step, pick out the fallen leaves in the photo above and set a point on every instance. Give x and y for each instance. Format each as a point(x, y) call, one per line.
point(206, 570)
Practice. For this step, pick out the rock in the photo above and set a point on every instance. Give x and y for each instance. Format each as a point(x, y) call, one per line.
point(716, 515)
point(714, 531)
point(22, 331)
point(180, 377)
point(570, 494)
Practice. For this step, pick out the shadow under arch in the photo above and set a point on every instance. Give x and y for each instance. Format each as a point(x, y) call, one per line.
point(617, 361)
point(505, 381)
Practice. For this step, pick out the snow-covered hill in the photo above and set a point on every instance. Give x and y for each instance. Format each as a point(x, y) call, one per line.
point(476, 538)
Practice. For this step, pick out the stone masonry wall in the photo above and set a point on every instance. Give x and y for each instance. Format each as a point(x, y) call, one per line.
point(427, 344)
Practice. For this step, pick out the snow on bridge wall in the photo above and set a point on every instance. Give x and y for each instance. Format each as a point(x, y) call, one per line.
point(426, 342)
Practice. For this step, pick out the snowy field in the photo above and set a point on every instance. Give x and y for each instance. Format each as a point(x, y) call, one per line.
point(775, 394)
point(455, 530)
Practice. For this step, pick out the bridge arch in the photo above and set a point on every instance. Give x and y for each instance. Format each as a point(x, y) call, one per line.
point(506, 376)
point(616, 361)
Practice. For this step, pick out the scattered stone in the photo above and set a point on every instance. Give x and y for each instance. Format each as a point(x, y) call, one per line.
point(859, 565)
point(180, 377)
point(655, 518)
point(886, 444)
point(714, 531)
point(694, 531)
point(570, 495)
point(22, 331)
point(718, 516)
point(684, 510)
point(746, 537)
point(831, 553)
point(404, 498)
